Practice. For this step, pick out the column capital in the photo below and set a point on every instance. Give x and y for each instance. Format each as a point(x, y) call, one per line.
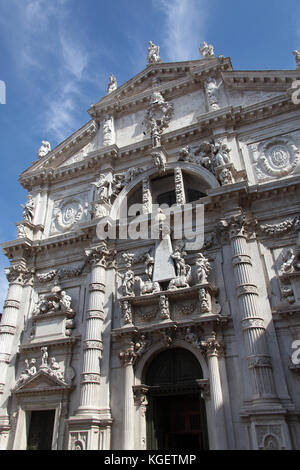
point(128, 355)
point(212, 346)
point(236, 225)
point(19, 274)
point(100, 255)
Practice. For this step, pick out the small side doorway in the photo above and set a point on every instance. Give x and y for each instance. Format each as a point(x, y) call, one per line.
point(41, 430)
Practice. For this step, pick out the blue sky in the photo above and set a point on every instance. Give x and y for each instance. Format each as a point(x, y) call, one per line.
point(56, 57)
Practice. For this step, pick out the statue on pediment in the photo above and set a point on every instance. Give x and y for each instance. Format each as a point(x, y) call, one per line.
point(112, 84)
point(207, 51)
point(297, 58)
point(44, 149)
point(153, 53)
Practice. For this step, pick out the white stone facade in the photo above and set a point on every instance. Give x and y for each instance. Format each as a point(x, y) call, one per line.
point(84, 318)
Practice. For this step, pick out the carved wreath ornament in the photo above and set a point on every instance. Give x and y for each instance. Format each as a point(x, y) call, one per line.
point(278, 158)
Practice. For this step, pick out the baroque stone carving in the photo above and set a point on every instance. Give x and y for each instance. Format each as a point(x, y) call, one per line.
point(28, 209)
point(44, 149)
point(183, 270)
point(164, 307)
point(128, 277)
point(214, 156)
point(211, 89)
point(153, 53)
point(158, 116)
point(297, 58)
point(108, 131)
point(277, 158)
point(203, 268)
point(61, 273)
point(112, 84)
point(192, 338)
point(67, 213)
point(57, 301)
point(280, 228)
point(53, 369)
point(207, 51)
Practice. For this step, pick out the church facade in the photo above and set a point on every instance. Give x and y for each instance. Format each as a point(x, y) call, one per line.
point(154, 282)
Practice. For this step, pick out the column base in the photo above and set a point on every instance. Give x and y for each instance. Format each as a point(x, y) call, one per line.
point(267, 427)
point(89, 430)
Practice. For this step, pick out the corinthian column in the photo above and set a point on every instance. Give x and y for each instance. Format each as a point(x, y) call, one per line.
point(213, 350)
point(92, 346)
point(259, 361)
point(17, 276)
point(127, 357)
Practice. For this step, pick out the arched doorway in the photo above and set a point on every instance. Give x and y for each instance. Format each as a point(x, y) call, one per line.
point(176, 418)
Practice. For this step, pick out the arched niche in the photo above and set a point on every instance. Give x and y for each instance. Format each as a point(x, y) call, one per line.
point(196, 173)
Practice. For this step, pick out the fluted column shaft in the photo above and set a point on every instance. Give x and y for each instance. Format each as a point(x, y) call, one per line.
point(259, 361)
point(92, 345)
point(214, 349)
point(127, 357)
point(9, 322)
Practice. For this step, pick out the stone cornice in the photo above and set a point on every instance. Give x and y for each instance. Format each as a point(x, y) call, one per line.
point(274, 80)
point(224, 117)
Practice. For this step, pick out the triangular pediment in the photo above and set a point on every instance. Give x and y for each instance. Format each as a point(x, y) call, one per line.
point(42, 381)
point(166, 75)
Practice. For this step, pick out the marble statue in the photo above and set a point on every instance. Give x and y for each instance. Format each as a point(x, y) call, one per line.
point(153, 53)
point(28, 209)
point(44, 149)
point(112, 84)
point(297, 58)
point(203, 268)
point(206, 50)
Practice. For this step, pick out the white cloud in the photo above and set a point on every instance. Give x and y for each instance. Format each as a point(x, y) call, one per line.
point(184, 29)
point(49, 52)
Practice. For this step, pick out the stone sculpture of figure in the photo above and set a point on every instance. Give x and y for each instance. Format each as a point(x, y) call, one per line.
point(288, 261)
point(28, 209)
point(226, 177)
point(44, 351)
point(203, 268)
point(149, 264)
point(206, 50)
point(192, 338)
point(179, 261)
point(297, 58)
point(44, 149)
point(32, 367)
point(128, 278)
point(159, 161)
point(164, 307)
point(108, 132)
point(211, 88)
point(220, 154)
point(55, 369)
point(153, 53)
point(102, 188)
point(30, 370)
point(112, 84)
point(155, 134)
point(42, 306)
point(66, 300)
point(141, 345)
